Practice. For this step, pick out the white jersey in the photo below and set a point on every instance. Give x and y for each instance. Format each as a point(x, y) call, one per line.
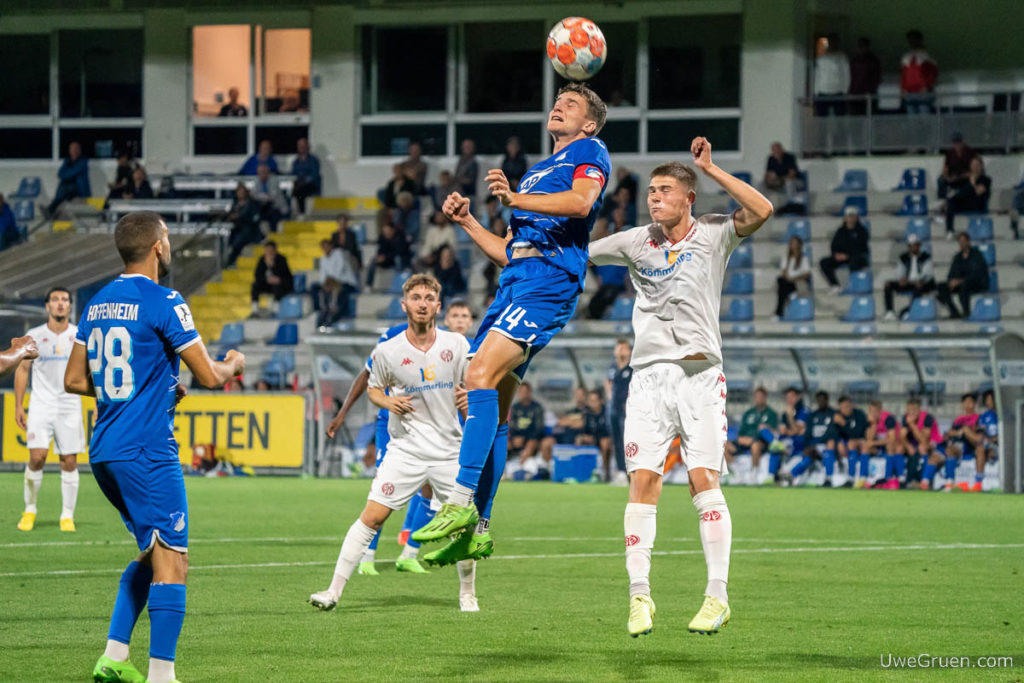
point(48, 395)
point(678, 286)
point(432, 430)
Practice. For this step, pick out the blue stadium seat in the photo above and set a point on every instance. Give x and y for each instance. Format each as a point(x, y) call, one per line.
point(914, 205)
point(985, 309)
point(986, 330)
point(862, 309)
point(863, 330)
point(988, 250)
point(24, 210)
point(740, 311)
point(397, 281)
point(740, 282)
point(857, 201)
point(922, 227)
point(803, 329)
point(743, 329)
point(232, 335)
point(621, 310)
point(926, 329)
point(800, 310)
point(862, 390)
point(359, 229)
point(274, 374)
point(854, 180)
point(742, 257)
point(922, 310)
point(287, 335)
point(28, 188)
point(980, 229)
point(861, 282)
point(299, 283)
point(993, 281)
point(799, 227)
point(290, 308)
point(913, 180)
point(393, 311)
point(286, 357)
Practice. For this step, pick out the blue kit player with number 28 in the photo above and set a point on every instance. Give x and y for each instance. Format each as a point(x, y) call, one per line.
point(544, 257)
point(126, 354)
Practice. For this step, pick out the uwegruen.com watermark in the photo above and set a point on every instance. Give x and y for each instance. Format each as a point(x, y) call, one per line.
point(889, 660)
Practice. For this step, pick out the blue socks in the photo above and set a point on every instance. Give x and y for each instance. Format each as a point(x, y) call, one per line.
point(131, 599)
point(929, 472)
point(166, 614)
point(894, 466)
point(801, 466)
point(376, 539)
point(865, 462)
point(828, 458)
point(490, 477)
point(420, 516)
point(774, 460)
point(951, 469)
point(478, 436)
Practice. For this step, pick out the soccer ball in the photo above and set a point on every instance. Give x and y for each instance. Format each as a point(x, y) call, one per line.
point(576, 48)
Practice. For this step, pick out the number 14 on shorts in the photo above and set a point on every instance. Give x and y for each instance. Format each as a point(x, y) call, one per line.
point(512, 316)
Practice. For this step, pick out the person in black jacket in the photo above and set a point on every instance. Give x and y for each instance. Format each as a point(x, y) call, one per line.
point(915, 275)
point(392, 251)
point(514, 164)
point(968, 274)
point(849, 248)
point(448, 272)
point(272, 276)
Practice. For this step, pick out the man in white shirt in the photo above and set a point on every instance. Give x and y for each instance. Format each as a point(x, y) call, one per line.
point(831, 76)
point(414, 375)
point(53, 414)
point(441, 233)
point(338, 281)
point(677, 264)
point(915, 273)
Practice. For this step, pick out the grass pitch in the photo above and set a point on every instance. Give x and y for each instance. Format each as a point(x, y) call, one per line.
point(823, 584)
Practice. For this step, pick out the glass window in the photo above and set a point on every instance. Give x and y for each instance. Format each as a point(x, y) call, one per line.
point(100, 73)
point(412, 67)
point(393, 139)
point(504, 63)
point(695, 61)
point(102, 143)
point(616, 81)
point(26, 87)
point(282, 140)
point(621, 136)
point(284, 72)
point(675, 135)
point(490, 138)
point(26, 143)
point(220, 140)
point(220, 71)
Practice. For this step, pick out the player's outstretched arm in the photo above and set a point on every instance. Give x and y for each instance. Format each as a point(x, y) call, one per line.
point(755, 209)
point(357, 389)
point(77, 378)
point(212, 374)
point(456, 209)
point(574, 203)
point(22, 348)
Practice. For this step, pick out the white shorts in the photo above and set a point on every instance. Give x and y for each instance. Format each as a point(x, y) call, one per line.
point(65, 429)
point(667, 400)
point(401, 475)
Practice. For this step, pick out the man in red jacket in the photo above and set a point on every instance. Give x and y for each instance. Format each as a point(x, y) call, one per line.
point(917, 77)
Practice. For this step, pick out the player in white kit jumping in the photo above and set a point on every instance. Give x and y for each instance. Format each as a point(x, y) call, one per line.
point(420, 369)
point(53, 414)
point(677, 264)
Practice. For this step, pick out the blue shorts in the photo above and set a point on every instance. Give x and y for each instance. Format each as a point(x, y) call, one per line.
point(534, 301)
point(150, 495)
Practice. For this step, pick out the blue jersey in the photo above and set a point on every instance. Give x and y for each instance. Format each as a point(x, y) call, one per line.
point(821, 428)
point(133, 330)
point(989, 424)
point(799, 415)
point(562, 241)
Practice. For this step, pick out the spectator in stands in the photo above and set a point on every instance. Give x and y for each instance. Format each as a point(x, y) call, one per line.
point(915, 273)
point(269, 196)
point(398, 184)
point(245, 215)
point(758, 428)
point(441, 233)
point(1016, 209)
point(831, 77)
point(233, 108)
point(345, 238)
point(794, 269)
point(611, 283)
point(122, 176)
point(407, 215)
point(514, 164)
point(850, 248)
point(338, 281)
point(918, 73)
point(865, 76)
point(291, 103)
point(969, 197)
point(415, 168)
point(968, 274)
point(306, 169)
point(272, 276)
point(615, 214)
point(956, 166)
point(595, 430)
point(570, 423)
point(446, 184)
point(139, 187)
point(265, 155)
point(624, 197)
point(74, 179)
point(525, 425)
point(782, 173)
point(617, 390)
point(392, 251)
point(9, 232)
point(467, 170)
point(234, 385)
point(448, 272)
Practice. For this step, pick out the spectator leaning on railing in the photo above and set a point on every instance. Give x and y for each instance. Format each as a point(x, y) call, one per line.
point(968, 274)
point(850, 247)
point(831, 77)
point(865, 76)
point(918, 73)
point(915, 273)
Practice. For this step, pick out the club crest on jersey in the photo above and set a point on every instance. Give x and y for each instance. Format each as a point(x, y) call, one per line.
point(387, 488)
point(632, 449)
point(632, 540)
point(428, 374)
point(178, 521)
point(711, 516)
point(447, 356)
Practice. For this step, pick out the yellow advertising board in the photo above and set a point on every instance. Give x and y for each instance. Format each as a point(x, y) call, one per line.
point(258, 430)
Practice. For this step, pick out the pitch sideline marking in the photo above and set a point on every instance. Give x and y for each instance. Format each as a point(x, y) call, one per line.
point(567, 556)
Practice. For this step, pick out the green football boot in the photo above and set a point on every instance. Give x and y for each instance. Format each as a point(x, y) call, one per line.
point(109, 671)
point(450, 520)
point(367, 569)
point(410, 565)
point(466, 546)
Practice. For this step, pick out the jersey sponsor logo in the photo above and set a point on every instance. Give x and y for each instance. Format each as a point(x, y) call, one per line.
point(387, 488)
point(711, 516)
point(406, 361)
point(632, 540)
point(529, 181)
point(185, 317)
point(594, 174)
point(672, 256)
point(561, 157)
point(172, 295)
point(428, 374)
point(447, 356)
point(178, 521)
point(632, 449)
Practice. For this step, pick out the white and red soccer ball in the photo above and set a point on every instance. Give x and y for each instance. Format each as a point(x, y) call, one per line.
point(576, 48)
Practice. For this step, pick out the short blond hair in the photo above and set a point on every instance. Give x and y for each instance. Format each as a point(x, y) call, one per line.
point(681, 172)
point(421, 280)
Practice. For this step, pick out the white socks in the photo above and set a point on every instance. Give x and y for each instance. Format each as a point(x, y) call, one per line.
point(116, 650)
point(357, 540)
point(408, 552)
point(461, 496)
point(33, 480)
point(467, 577)
point(640, 524)
point(69, 493)
point(369, 556)
point(160, 671)
point(716, 537)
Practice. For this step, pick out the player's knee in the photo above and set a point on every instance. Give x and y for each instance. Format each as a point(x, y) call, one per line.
point(702, 479)
point(644, 487)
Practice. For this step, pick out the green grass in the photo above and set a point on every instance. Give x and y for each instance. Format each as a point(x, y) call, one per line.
point(800, 610)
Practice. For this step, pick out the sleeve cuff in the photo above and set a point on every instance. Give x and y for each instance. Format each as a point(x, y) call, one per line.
point(191, 342)
point(79, 341)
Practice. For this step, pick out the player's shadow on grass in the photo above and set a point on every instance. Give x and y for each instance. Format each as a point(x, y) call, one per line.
point(400, 601)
